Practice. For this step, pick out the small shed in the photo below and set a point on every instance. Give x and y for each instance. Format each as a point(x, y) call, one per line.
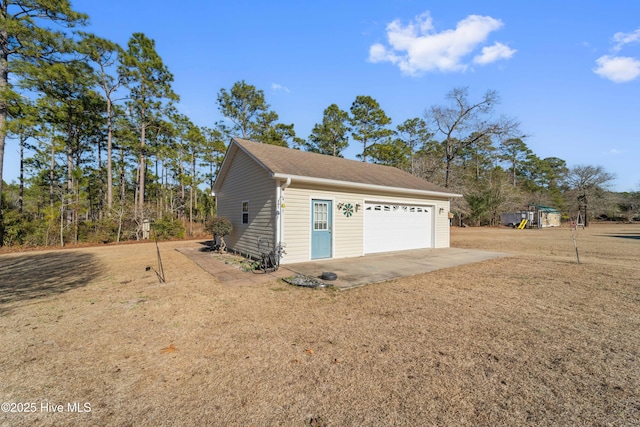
point(537, 216)
point(546, 216)
point(319, 206)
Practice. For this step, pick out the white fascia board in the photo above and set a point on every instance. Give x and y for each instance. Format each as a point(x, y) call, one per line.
point(361, 186)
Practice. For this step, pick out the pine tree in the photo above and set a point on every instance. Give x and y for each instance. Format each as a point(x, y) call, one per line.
point(26, 37)
point(369, 123)
point(149, 82)
point(105, 54)
point(330, 137)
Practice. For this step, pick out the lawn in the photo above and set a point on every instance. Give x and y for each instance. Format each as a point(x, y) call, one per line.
point(531, 339)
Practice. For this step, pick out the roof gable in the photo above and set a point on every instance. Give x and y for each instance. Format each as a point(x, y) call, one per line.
point(281, 161)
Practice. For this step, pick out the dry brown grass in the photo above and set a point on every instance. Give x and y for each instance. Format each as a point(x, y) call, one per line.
point(534, 339)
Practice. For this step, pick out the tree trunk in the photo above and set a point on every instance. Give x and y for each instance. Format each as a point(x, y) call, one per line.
point(21, 194)
point(163, 188)
point(449, 160)
point(158, 189)
point(182, 192)
point(69, 190)
point(122, 177)
point(211, 180)
point(446, 172)
point(364, 150)
point(52, 169)
point(101, 188)
point(70, 183)
point(586, 218)
point(76, 214)
point(193, 180)
point(142, 165)
point(109, 153)
point(4, 80)
point(62, 222)
point(135, 202)
point(191, 210)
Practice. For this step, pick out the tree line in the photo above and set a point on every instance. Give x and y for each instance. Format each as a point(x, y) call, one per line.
point(104, 150)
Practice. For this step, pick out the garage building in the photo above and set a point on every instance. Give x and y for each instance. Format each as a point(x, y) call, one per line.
point(320, 206)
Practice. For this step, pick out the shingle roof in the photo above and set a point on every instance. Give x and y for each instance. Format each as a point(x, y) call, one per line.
point(286, 161)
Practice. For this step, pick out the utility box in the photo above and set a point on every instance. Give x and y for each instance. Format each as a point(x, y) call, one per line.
point(145, 228)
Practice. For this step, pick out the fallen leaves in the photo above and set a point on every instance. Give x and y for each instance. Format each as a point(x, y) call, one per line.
point(169, 349)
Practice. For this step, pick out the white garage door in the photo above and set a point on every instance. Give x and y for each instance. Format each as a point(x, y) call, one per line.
point(393, 227)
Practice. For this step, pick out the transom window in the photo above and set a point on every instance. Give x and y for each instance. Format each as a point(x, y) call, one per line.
point(320, 216)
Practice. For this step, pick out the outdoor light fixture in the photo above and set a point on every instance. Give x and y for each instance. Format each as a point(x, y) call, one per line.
point(441, 210)
point(357, 207)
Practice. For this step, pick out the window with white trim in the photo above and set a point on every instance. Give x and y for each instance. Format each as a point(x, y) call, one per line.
point(245, 212)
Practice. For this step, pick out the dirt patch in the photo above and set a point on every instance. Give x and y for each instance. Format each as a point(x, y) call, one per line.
point(534, 339)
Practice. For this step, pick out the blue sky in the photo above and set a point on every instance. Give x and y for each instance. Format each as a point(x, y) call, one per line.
point(569, 71)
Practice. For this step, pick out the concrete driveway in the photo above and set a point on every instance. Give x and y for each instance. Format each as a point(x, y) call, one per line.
point(354, 272)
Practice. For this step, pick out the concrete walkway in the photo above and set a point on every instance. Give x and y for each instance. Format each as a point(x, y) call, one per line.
point(375, 268)
point(215, 265)
point(352, 272)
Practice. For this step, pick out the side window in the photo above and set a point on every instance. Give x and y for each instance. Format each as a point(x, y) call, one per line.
point(245, 212)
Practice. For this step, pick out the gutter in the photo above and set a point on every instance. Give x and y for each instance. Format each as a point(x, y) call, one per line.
point(358, 186)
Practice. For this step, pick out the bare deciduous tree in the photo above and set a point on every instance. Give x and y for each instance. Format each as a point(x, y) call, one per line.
point(463, 123)
point(588, 182)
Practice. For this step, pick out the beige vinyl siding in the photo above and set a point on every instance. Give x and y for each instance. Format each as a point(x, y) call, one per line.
point(442, 226)
point(347, 231)
point(247, 181)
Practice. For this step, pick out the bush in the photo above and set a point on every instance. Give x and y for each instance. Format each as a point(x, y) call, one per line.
point(100, 231)
point(219, 226)
point(16, 228)
point(168, 228)
point(22, 230)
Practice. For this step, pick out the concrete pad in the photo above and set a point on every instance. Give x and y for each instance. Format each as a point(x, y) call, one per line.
point(375, 268)
point(352, 272)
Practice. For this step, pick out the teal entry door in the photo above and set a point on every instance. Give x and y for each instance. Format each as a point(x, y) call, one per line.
point(321, 225)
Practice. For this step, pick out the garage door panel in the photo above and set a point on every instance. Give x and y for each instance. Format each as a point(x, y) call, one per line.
point(392, 227)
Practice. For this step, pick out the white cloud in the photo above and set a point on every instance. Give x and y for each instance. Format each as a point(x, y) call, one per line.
point(378, 53)
point(416, 47)
point(278, 87)
point(615, 151)
point(622, 39)
point(494, 53)
point(618, 69)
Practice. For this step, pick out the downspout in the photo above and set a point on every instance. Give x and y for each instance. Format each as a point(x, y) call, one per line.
point(286, 184)
point(279, 213)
